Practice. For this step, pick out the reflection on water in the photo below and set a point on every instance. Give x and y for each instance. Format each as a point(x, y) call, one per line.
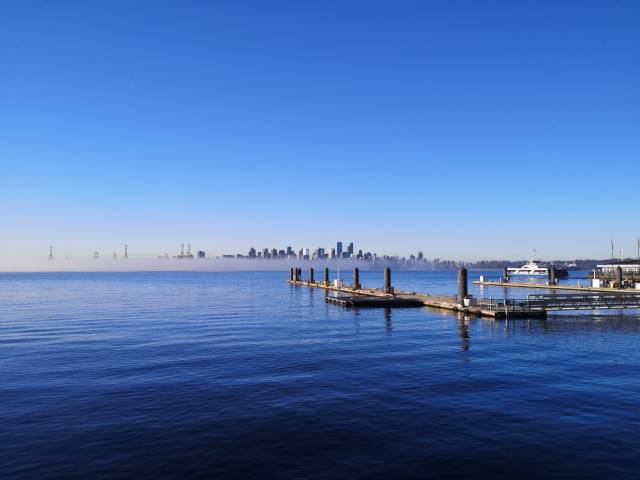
point(387, 321)
point(463, 331)
point(242, 375)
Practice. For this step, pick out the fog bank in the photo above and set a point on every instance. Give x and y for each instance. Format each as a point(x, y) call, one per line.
point(173, 264)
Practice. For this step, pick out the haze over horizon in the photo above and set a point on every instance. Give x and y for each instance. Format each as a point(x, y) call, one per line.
point(466, 130)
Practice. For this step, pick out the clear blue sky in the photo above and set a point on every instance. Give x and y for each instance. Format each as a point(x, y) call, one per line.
point(464, 129)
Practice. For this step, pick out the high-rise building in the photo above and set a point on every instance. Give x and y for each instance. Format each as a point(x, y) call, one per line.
point(265, 253)
point(339, 249)
point(201, 254)
point(274, 253)
point(350, 249)
point(301, 253)
point(420, 255)
point(289, 251)
point(321, 254)
point(252, 252)
point(332, 253)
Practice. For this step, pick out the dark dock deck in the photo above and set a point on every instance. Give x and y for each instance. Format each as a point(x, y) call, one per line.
point(367, 301)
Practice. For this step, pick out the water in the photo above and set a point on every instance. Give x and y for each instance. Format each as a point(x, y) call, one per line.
point(238, 374)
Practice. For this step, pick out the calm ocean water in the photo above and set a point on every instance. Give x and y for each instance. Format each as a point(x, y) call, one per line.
point(216, 375)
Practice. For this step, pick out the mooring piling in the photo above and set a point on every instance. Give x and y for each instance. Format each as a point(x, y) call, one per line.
point(326, 276)
point(291, 275)
point(552, 275)
point(619, 276)
point(387, 280)
point(505, 274)
point(356, 278)
point(463, 288)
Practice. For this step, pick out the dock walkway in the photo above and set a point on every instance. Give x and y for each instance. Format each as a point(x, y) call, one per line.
point(494, 309)
point(575, 288)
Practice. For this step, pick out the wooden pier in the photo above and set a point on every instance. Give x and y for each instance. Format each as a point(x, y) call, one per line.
point(356, 296)
point(534, 306)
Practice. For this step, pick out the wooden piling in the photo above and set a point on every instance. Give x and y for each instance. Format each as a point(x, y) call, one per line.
point(463, 288)
point(387, 280)
point(619, 276)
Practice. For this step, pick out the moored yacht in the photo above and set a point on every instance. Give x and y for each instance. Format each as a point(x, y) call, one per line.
point(535, 269)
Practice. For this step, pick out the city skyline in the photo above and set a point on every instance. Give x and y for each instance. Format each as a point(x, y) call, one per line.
point(342, 250)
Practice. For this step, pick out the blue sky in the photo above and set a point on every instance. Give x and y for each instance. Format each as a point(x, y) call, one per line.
point(462, 129)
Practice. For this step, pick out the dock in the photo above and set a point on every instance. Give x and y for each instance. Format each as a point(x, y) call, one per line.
point(357, 295)
point(575, 288)
point(366, 301)
point(534, 306)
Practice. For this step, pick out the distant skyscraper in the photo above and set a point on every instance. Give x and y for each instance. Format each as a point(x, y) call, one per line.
point(201, 254)
point(350, 249)
point(301, 253)
point(332, 253)
point(274, 253)
point(252, 252)
point(339, 249)
point(289, 251)
point(420, 255)
point(51, 253)
point(126, 251)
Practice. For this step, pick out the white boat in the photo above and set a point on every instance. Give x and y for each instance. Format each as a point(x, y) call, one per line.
point(535, 269)
point(531, 269)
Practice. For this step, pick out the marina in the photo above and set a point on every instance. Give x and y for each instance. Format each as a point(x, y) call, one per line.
point(388, 296)
point(531, 307)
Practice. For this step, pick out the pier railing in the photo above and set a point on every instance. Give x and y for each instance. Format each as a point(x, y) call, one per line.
point(585, 302)
point(504, 304)
point(545, 302)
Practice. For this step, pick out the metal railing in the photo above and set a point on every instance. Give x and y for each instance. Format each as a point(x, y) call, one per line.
point(504, 304)
point(584, 302)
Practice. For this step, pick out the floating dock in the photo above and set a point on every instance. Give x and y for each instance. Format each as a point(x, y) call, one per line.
point(369, 301)
point(534, 306)
point(358, 295)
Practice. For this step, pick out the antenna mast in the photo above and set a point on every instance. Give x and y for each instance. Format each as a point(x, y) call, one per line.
point(612, 261)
